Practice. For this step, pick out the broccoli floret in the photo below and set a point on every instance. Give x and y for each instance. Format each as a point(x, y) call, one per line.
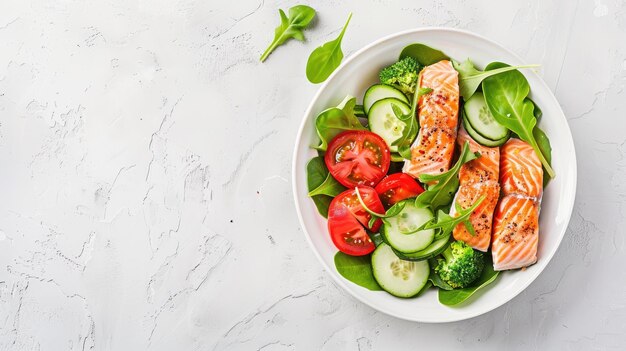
point(402, 74)
point(461, 265)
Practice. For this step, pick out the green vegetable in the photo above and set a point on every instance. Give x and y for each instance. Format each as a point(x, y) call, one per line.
point(317, 173)
point(456, 296)
point(402, 74)
point(441, 193)
point(410, 131)
point(290, 27)
point(434, 276)
point(460, 265)
point(335, 120)
point(505, 94)
point(546, 149)
point(470, 78)
point(391, 212)
point(446, 223)
point(326, 58)
point(424, 54)
point(357, 269)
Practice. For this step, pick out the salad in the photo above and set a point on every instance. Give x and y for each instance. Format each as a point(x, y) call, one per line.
point(435, 179)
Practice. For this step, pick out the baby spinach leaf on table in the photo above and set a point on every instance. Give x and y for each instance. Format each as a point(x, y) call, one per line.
point(470, 77)
point(456, 296)
point(505, 95)
point(409, 133)
point(357, 269)
point(326, 58)
point(316, 176)
point(335, 120)
point(441, 193)
point(290, 27)
point(424, 54)
point(317, 173)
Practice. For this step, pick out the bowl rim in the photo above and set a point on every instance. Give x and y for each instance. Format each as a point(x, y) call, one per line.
point(343, 284)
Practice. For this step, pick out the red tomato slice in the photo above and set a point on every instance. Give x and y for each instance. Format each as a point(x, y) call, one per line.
point(347, 221)
point(397, 187)
point(357, 158)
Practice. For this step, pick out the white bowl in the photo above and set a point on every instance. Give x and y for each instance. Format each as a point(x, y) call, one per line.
point(353, 77)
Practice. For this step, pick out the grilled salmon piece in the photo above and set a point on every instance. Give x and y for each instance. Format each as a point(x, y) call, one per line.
point(438, 112)
point(482, 216)
point(477, 178)
point(520, 169)
point(515, 233)
point(516, 221)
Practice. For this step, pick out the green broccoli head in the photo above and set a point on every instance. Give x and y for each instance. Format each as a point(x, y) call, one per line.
point(402, 74)
point(461, 265)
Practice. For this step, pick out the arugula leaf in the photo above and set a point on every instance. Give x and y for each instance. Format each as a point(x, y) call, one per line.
point(290, 27)
point(410, 132)
point(320, 180)
point(470, 78)
point(326, 58)
point(441, 193)
point(391, 212)
point(505, 95)
point(357, 269)
point(456, 296)
point(424, 54)
point(446, 223)
point(335, 120)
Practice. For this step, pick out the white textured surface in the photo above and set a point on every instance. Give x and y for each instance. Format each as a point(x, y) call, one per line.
point(145, 157)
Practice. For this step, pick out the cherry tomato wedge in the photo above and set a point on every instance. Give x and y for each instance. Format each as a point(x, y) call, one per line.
point(397, 187)
point(347, 221)
point(357, 158)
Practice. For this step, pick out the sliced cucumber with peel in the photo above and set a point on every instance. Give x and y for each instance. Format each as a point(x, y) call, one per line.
point(383, 121)
point(482, 121)
point(409, 219)
point(381, 91)
point(438, 246)
point(398, 277)
point(479, 138)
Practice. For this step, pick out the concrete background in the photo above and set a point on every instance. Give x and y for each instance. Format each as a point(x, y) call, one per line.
point(145, 158)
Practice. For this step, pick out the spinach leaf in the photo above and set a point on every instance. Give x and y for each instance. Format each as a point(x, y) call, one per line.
point(441, 193)
point(424, 54)
point(409, 133)
point(290, 27)
point(505, 95)
point(456, 296)
point(335, 120)
point(546, 149)
point(427, 286)
point(326, 58)
point(317, 173)
point(470, 78)
point(357, 269)
point(434, 276)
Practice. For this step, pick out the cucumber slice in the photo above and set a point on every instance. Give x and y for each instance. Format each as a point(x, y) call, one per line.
point(481, 119)
point(383, 121)
point(411, 218)
point(479, 138)
point(398, 277)
point(381, 91)
point(434, 249)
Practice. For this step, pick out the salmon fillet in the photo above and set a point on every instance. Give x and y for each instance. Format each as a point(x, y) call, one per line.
point(438, 111)
point(516, 221)
point(477, 178)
